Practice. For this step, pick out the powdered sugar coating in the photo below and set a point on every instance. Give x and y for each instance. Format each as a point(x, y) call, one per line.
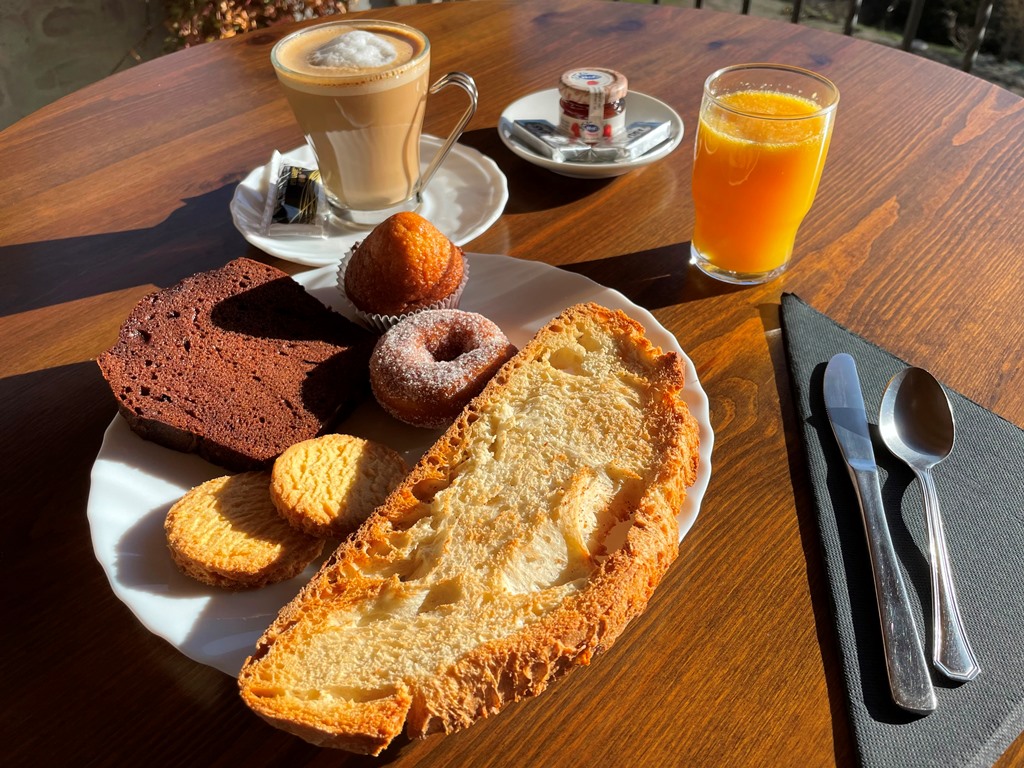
point(424, 370)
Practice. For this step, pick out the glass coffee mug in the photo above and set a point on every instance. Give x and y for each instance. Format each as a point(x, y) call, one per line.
point(358, 90)
point(763, 134)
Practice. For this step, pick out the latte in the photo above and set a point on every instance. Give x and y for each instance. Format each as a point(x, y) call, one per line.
point(358, 90)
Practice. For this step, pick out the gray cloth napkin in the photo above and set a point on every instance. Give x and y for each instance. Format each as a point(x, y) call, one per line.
point(981, 492)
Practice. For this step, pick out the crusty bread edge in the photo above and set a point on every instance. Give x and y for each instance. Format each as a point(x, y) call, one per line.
point(526, 662)
point(523, 664)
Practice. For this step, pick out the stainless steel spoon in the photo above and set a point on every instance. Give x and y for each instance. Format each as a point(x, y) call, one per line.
point(916, 423)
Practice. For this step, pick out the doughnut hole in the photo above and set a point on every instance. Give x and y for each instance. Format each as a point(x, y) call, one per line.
point(446, 348)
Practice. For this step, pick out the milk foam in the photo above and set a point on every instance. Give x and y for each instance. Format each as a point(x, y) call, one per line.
point(354, 50)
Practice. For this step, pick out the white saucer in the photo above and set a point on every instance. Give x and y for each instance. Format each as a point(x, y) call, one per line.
point(465, 197)
point(543, 105)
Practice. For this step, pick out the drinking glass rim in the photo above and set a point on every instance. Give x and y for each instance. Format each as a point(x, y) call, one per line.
point(350, 23)
point(789, 68)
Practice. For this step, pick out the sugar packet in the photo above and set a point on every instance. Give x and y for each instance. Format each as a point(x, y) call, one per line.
point(638, 139)
point(296, 205)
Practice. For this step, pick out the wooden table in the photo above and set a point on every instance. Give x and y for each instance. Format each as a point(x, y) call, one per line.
point(914, 242)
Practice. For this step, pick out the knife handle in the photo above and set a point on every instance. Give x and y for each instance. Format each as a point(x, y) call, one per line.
point(905, 662)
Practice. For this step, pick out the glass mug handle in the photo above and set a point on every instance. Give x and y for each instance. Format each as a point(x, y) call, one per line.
point(466, 83)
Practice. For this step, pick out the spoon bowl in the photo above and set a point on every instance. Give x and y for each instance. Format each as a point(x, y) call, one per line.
point(916, 424)
point(916, 420)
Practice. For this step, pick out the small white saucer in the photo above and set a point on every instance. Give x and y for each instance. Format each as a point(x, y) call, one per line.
point(465, 197)
point(543, 105)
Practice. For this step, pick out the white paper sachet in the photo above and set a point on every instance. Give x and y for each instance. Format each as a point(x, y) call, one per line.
point(296, 205)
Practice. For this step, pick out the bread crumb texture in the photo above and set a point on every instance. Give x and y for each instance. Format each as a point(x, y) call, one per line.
point(521, 543)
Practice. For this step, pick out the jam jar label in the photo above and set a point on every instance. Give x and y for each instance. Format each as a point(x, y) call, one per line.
point(592, 103)
point(585, 79)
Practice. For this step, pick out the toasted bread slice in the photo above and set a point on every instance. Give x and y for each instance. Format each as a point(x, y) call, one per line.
point(520, 544)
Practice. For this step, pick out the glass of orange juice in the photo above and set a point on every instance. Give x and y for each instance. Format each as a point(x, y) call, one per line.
point(762, 138)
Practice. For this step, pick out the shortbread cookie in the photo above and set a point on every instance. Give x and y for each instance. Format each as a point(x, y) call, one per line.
point(329, 485)
point(226, 533)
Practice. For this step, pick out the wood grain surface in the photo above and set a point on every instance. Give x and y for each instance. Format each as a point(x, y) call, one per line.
point(914, 242)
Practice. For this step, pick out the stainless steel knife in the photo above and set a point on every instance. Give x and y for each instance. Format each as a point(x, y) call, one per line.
point(909, 680)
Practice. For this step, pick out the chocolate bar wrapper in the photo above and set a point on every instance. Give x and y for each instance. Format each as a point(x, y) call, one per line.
point(296, 205)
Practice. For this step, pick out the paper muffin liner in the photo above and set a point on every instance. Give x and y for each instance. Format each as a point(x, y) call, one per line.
point(381, 323)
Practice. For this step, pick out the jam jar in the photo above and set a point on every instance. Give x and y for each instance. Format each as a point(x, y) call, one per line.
point(592, 103)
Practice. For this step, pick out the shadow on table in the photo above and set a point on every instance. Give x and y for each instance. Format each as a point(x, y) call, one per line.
point(196, 236)
point(656, 278)
point(807, 525)
point(524, 195)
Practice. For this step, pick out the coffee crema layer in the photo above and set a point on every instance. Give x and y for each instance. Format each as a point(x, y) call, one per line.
point(363, 122)
point(358, 51)
point(349, 56)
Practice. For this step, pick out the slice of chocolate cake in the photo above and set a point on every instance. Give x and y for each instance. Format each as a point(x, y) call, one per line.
point(236, 364)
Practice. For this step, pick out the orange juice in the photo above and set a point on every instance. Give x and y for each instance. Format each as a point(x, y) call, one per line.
point(757, 162)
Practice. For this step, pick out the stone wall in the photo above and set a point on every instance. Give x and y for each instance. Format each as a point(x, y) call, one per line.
point(49, 48)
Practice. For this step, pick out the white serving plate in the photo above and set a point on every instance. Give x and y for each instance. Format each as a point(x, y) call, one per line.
point(135, 482)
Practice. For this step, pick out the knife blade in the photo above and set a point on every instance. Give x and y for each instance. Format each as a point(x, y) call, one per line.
point(906, 666)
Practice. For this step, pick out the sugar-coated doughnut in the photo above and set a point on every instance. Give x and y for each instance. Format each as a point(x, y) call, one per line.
point(424, 370)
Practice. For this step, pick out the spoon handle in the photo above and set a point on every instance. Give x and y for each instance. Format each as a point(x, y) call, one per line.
point(951, 652)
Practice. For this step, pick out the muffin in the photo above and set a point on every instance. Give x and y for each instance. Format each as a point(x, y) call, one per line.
point(403, 266)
